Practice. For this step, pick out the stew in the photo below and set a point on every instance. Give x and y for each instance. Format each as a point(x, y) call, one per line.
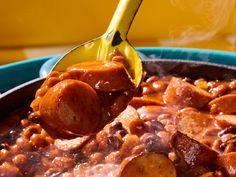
point(80, 125)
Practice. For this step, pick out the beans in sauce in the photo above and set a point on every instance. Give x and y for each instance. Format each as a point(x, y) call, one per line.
point(151, 122)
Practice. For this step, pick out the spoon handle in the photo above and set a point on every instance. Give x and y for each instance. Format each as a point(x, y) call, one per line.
point(121, 21)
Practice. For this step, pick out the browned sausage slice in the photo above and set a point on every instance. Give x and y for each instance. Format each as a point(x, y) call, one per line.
point(102, 76)
point(225, 104)
point(183, 94)
point(229, 120)
point(148, 165)
point(70, 107)
point(126, 118)
point(138, 102)
point(191, 153)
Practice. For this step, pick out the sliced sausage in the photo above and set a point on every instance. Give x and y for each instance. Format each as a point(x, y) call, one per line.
point(70, 107)
point(225, 104)
point(102, 76)
point(126, 118)
point(193, 122)
point(183, 94)
point(190, 152)
point(148, 165)
point(228, 120)
point(138, 102)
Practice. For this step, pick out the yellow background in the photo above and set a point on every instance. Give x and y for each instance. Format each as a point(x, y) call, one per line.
point(31, 28)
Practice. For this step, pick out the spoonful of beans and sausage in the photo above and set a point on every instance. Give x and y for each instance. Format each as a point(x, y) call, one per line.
point(93, 83)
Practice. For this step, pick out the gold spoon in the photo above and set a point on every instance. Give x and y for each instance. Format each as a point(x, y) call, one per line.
point(114, 38)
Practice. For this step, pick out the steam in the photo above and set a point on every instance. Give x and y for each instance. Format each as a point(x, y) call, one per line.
point(214, 15)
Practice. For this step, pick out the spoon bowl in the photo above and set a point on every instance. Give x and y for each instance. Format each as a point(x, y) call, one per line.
point(115, 38)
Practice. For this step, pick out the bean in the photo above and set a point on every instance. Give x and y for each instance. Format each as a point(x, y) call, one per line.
point(113, 157)
point(20, 160)
point(63, 162)
point(130, 141)
point(153, 125)
point(101, 138)
point(25, 123)
point(158, 86)
point(32, 129)
point(138, 149)
point(91, 147)
point(96, 158)
point(23, 144)
point(7, 169)
point(38, 141)
point(201, 83)
point(152, 79)
point(4, 154)
point(152, 142)
point(147, 90)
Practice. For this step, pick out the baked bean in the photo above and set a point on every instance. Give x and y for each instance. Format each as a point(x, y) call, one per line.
point(63, 162)
point(201, 83)
point(113, 157)
point(152, 79)
point(4, 154)
point(138, 149)
point(137, 126)
point(91, 147)
point(32, 129)
point(96, 158)
point(232, 85)
point(158, 86)
point(152, 142)
point(20, 160)
point(23, 143)
point(38, 141)
point(153, 125)
point(130, 141)
point(147, 90)
point(7, 169)
point(101, 138)
point(25, 123)
point(53, 172)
